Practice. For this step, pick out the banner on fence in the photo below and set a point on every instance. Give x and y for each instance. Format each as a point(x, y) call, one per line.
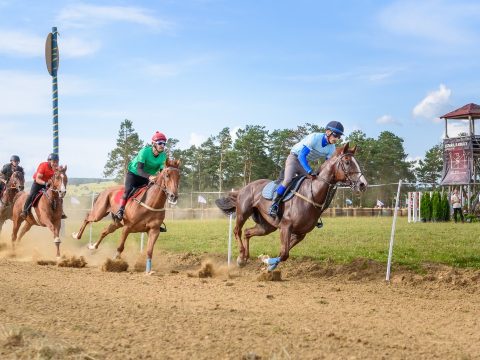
point(457, 161)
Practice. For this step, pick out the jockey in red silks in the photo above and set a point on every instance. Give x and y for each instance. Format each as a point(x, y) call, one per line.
point(311, 148)
point(143, 168)
point(44, 173)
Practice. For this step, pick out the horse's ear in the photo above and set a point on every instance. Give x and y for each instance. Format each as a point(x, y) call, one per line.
point(354, 149)
point(345, 148)
point(65, 168)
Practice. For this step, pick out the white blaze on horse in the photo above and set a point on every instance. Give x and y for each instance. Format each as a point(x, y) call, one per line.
point(145, 210)
point(298, 216)
point(46, 211)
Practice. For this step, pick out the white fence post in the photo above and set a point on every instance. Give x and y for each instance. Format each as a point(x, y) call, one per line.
point(392, 235)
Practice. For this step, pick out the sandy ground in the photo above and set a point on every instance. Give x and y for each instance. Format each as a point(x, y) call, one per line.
point(317, 311)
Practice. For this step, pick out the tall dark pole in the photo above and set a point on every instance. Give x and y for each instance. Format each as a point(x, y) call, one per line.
point(52, 59)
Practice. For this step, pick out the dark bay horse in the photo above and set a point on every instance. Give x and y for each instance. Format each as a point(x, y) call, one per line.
point(47, 209)
point(13, 186)
point(144, 213)
point(300, 214)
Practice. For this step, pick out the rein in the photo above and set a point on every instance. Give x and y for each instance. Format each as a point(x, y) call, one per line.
point(332, 187)
point(163, 188)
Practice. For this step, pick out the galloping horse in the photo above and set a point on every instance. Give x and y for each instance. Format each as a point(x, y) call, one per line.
point(141, 215)
point(13, 186)
point(299, 215)
point(46, 210)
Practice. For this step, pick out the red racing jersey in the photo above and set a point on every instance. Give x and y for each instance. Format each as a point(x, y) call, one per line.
point(46, 170)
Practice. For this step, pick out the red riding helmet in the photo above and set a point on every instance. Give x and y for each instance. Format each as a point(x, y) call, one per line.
point(158, 136)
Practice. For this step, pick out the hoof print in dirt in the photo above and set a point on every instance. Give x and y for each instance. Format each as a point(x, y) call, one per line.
point(117, 265)
point(270, 276)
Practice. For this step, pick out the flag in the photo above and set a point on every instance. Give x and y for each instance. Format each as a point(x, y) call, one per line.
point(348, 201)
point(201, 199)
point(380, 204)
point(74, 201)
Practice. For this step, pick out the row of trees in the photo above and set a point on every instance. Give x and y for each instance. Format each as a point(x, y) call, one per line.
point(224, 161)
point(435, 208)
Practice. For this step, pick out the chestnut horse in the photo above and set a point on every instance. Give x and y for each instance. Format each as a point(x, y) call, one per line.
point(299, 215)
point(143, 214)
point(13, 186)
point(48, 209)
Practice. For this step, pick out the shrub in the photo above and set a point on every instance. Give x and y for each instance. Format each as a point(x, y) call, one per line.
point(425, 207)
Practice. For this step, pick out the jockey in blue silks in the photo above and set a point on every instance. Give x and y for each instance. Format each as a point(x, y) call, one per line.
point(311, 148)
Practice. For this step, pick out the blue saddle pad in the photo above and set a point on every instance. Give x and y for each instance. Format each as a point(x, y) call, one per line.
point(270, 189)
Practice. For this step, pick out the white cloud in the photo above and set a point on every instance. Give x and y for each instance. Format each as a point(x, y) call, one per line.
point(22, 44)
point(196, 139)
point(25, 93)
point(387, 119)
point(74, 47)
point(86, 15)
point(434, 104)
point(434, 20)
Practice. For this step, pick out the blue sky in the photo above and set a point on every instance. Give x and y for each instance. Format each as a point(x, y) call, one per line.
point(189, 68)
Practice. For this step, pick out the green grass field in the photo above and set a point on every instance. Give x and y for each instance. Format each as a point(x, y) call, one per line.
point(341, 239)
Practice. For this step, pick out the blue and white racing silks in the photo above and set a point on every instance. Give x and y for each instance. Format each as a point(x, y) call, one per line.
point(318, 145)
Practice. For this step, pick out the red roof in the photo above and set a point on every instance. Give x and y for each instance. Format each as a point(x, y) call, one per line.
point(464, 112)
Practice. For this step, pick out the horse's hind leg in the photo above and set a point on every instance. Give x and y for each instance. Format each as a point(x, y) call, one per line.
point(96, 214)
point(108, 230)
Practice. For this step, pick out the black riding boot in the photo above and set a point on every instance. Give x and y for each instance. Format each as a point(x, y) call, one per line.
point(273, 212)
point(119, 214)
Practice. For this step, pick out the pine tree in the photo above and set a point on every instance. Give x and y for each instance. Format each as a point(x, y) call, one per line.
point(436, 207)
point(128, 145)
point(425, 207)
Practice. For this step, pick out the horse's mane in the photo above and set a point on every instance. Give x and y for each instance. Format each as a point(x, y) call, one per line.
point(341, 150)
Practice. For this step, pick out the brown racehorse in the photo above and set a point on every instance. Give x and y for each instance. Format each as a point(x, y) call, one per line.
point(298, 216)
point(143, 214)
point(13, 186)
point(48, 209)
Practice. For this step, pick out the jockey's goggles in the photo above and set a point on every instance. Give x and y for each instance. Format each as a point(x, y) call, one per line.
point(160, 142)
point(336, 135)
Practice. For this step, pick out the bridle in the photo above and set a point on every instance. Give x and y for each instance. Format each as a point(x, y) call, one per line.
point(63, 189)
point(14, 183)
point(170, 195)
point(340, 163)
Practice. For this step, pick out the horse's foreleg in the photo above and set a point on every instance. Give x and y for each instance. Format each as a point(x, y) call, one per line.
point(17, 221)
point(78, 235)
point(285, 234)
point(25, 228)
point(123, 238)
point(108, 230)
point(257, 230)
point(295, 239)
point(152, 238)
point(55, 229)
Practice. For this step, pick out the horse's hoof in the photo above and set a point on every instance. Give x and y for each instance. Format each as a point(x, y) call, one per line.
point(75, 235)
point(148, 273)
point(241, 262)
point(59, 258)
point(91, 247)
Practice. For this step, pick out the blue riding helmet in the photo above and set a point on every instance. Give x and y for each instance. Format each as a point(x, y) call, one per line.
point(336, 127)
point(53, 156)
point(15, 158)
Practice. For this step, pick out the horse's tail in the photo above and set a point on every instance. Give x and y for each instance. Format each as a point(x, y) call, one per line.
point(228, 204)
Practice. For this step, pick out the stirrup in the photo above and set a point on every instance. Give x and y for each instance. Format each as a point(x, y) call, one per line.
point(64, 216)
point(119, 214)
point(273, 212)
point(163, 228)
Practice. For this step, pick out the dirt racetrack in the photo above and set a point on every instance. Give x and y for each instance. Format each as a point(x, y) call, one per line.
point(318, 311)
